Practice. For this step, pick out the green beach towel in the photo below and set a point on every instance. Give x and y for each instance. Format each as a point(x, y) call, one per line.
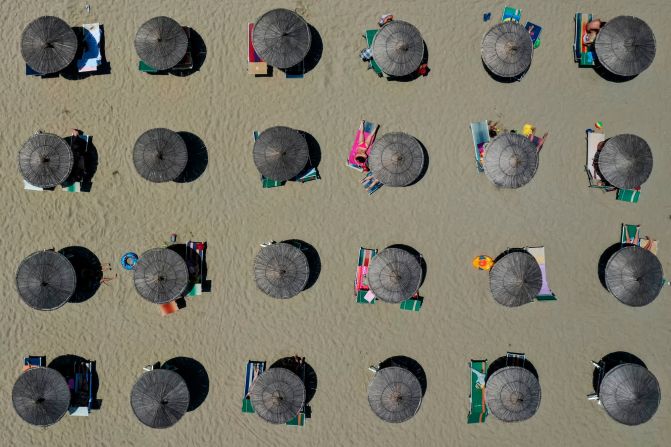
point(370, 36)
point(478, 411)
point(628, 195)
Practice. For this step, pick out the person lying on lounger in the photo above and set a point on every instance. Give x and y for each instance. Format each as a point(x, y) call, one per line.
point(591, 30)
point(364, 143)
point(373, 181)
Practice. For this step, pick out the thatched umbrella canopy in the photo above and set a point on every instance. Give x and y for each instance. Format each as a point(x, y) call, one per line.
point(46, 280)
point(161, 275)
point(277, 395)
point(41, 396)
point(507, 49)
point(45, 160)
point(634, 276)
point(280, 153)
point(161, 42)
point(394, 275)
point(515, 279)
point(159, 398)
point(513, 394)
point(48, 44)
point(625, 46)
point(281, 38)
point(394, 394)
point(160, 155)
point(281, 270)
point(398, 48)
point(630, 394)
point(625, 161)
point(396, 159)
point(511, 160)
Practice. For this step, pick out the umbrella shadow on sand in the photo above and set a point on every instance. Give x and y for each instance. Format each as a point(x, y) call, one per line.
point(312, 58)
point(425, 166)
point(314, 149)
point(603, 261)
point(611, 77)
point(409, 364)
point(417, 255)
point(610, 361)
point(303, 370)
point(192, 260)
point(314, 261)
point(65, 365)
point(504, 361)
point(85, 162)
point(197, 158)
point(195, 375)
point(198, 54)
point(503, 79)
point(88, 269)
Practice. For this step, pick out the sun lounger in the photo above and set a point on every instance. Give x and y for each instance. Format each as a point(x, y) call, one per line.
point(92, 56)
point(628, 195)
point(511, 14)
point(82, 389)
point(169, 308)
point(361, 287)
point(187, 61)
point(480, 133)
point(595, 180)
point(478, 411)
point(77, 186)
point(309, 175)
point(368, 129)
point(370, 36)
point(368, 180)
point(413, 304)
point(545, 293)
point(28, 187)
point(515, 359)
point(254, 369)
point(146, 68)
point(534, 32)
point(296, 72)
point(582, 53)
point(195, 260)
point(34, 361)
point(255, 65)
point(630, 234)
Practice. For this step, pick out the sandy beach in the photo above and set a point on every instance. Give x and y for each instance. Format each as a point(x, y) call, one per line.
point(451, 215)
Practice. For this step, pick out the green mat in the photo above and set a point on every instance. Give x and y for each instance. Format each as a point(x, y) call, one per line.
point(478, 411)
point(370, 36)
point(247, 406)
point(412, 304)
point(268, 183)
point(360, 297)
point(146, 68)
point(628, 195)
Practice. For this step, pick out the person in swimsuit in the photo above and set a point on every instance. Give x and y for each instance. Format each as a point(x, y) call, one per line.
point(364, 144)
point(591, 30)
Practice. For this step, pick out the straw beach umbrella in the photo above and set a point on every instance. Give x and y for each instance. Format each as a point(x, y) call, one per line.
point(394, 394)
point(46, 280)
point(277, 395)
point(280, 153)
point(45, 160)
point(281, 270)
point(511, 160)
point(48, 44)
point(161, 275)
point(398, 48)
point(41, 396)
point(507, 49)
point(513, 394)
point(634, 276)
point(281, 38)
point(159, 398)
point(160, 155)
point(515, 279)
point(394, 275)
point(625, 161)
point(396, 159)
point(161, 42)
point(630, 394)
point(625, 46)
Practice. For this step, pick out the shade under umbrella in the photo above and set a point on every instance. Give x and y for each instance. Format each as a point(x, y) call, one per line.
point(159, 398)
point(161, 42)
point(634, 276)
point(46, 280)
point(45, 160)
point(161, 275)
point(280, 153)
point(394, 394)
point(630, 394)
point(625, 46)
point(625, 161)
point(398, 48)
point(48, 44)
point(394, 275)
point(396, 159)
point(160, 155)
point(41, 396)
point(281, 38)
point(513, 394)
point(511, 160)
point(281, 270)
point(507, 49)
point(277, 395)
point(515, 279)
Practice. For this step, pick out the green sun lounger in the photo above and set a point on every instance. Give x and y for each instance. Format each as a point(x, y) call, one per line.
point(478, 411)
point(628, 195)
point(412, 304)
point(370, 36)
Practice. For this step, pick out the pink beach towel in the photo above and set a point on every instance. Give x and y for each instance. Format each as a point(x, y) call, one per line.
point(368, 129)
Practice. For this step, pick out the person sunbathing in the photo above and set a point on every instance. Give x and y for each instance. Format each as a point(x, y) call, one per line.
point(591, 30)
point(363, 144)
point(372, 182)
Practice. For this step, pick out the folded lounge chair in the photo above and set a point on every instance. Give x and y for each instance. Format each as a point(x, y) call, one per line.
point(545, 293)
point(255, 65)
point(480, 133)
point(254, 369)
point(595, 180)
point(582, 53)
point(478, 411)
point(92, 55)
point(34, 361)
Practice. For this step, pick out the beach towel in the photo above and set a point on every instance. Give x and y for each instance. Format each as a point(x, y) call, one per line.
point(628, 195)
point(534, 32)
point(252, 365)
point(361, 287)
point(511, 14)
point(630, 234)
point(545, 293)
point(480, 133)
point(195, 262)
point(582, 53)
point(92, 56)
point(368, 129)
point(368, 180)
point(593, 140)
point(370, 37)
point(478, 411)
point(255, 65)
point(413, 304)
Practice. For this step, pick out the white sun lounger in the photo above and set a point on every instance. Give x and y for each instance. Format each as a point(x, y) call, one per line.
point(593, 140)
